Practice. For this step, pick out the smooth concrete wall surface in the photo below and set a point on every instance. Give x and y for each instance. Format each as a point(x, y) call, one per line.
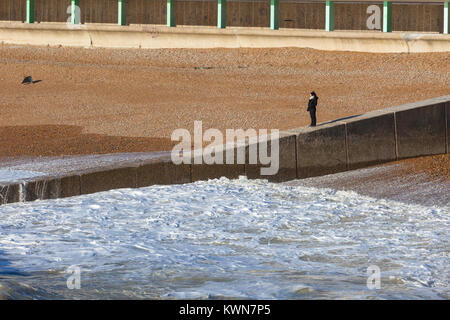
point(203, 171)
point(421, 131)
point(162, 171)
point(370, 140)
point(111, 36)
point(322, 151)
point(410, 130)
point(108, 178)
point(287, 166)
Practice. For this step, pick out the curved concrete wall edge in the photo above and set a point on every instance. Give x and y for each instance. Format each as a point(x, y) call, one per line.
point(110, 36)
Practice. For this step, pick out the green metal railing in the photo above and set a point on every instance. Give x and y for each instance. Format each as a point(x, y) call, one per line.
point(274, 13)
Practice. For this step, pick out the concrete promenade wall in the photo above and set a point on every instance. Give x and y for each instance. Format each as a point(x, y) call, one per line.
point(296, 14)
point(55, 34)
point(410, 130)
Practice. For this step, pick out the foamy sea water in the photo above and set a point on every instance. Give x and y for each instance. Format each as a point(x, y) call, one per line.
point(7, 175)
point(224, 239)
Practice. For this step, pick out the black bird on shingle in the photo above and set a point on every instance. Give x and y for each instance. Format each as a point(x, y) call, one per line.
point(27, 80)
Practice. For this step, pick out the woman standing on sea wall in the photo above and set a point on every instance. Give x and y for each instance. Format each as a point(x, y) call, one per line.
point(312, 103)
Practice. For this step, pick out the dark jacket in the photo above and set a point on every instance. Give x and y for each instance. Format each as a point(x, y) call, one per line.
point(312, 103)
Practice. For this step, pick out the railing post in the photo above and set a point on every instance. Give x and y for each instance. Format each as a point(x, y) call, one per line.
point(329, 16)
point(387, 16)
point(30, 11)
point(171, 13)
point(75, 14)
point(221, 14)
point(274, 12)
point(122, 13)
point(446, 18)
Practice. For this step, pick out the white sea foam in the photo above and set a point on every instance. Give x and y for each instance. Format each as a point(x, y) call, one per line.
point(224, 238)
point(7, 175)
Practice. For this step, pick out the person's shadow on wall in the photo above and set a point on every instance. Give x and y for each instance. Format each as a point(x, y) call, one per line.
point(340, 119)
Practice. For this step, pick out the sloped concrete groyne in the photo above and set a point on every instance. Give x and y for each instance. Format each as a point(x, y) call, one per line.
point(406, 131)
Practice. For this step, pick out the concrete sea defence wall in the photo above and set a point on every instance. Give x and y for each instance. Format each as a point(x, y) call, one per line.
point(210, 37)
point(410, 130)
